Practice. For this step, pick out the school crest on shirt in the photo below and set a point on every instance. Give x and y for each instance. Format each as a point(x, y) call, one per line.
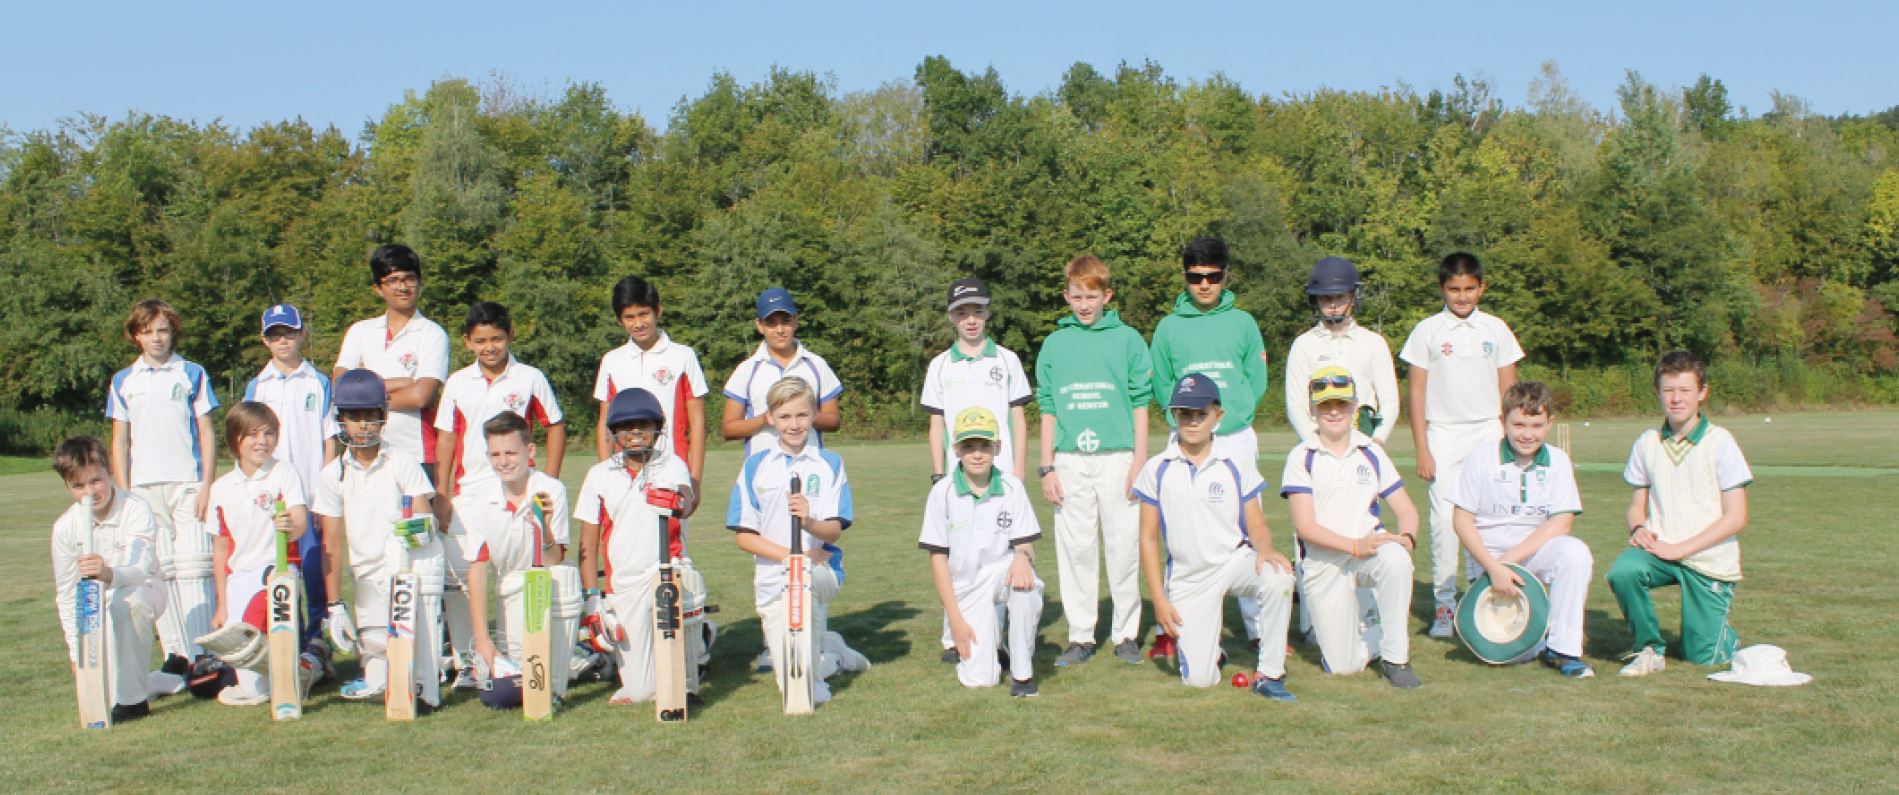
point(177, 391)
point(1004, 520)
point(1364, 475)
point(1087, 441)
point(1216, 492)
point(407, 362)
point(995, 374)
point(1490, 348)
point(664, 376)
point(309, 403)
point(811, 484)
point(515, 402)
point(1447, 349)
point(263, 501)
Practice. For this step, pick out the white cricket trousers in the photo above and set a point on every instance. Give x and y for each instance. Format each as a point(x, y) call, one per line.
point(1450, 444)
point(1095, 494)
point(633, 654)
point(184, 561)
point(1564, 565)
point(130, 614)
point(771, 619)
point(982, 605)
point(1200, 602)
point(1332, 580)
point(564, 616)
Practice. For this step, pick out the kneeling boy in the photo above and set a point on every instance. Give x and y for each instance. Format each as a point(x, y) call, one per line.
point(119, 554)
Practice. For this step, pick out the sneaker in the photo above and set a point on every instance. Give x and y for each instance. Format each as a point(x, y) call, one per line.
point(358, 690)
point(1163, 646)
point(321, 651)
point(1274, 689)
point(309, 672)
point(1129, 651)
point(1400, 674)
point(1571, 667)
point(122, 713)
point(763, 663)
point(1644, 662)
point(1075, 654)
point(236, 697)
point(1023, 688)
point(950, 657)
point(467, 679)
point(1445, 625)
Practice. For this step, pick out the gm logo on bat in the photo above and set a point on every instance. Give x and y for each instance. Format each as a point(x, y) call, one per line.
point(280, 617)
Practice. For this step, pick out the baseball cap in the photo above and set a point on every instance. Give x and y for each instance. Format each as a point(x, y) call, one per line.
point(1194, 391)
point(1333, 383)
point(975, 422)
point(775, 300)
point(283, 315)
point(634, 405)
point(968, 291)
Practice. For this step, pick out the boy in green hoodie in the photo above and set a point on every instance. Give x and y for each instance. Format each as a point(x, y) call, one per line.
point(1093, 382)
point(1207, 334)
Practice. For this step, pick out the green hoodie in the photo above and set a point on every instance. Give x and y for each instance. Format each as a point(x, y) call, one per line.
point(1222, 342)
point(1092, 378)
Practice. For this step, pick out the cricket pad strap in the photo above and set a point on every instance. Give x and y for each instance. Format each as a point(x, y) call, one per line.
point(190, 566)
point(566, 591)
point(511, 583)
point(692, 590)
point(373, 642)
point(238, 644)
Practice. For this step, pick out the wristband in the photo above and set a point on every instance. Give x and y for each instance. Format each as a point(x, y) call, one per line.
point(1045, 471)
point(591, 592)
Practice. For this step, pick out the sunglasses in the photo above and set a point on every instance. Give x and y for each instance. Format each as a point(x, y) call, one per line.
point(1205, 277)
point(1336, 382)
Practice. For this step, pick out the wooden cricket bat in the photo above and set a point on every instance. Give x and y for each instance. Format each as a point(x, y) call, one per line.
point(89, 614)
point(800, 682)
point(537, 647)
point(669, 631)
point(286, 691)
point(404, 592)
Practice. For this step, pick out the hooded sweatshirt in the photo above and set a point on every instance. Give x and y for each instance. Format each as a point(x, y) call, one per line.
point(1092, 378)
point(1224, 343)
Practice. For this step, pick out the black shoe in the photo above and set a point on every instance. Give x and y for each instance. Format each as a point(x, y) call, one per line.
point(176, 666)
point(423, 707)
point(1023, 688)
point(950, 656)
point(1002, 658)
point(1399, 675)
point(693, 700)
point(122, 713)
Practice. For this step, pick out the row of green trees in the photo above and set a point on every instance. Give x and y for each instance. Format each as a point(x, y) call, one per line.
point(1673, 220)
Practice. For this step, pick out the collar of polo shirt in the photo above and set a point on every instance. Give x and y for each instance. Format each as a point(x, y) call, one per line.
point(988, 350)
point(961, 483)
point(1541, 459)
point(1694, 436)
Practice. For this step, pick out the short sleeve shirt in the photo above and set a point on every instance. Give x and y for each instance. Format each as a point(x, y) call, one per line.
point(470, 399)
point(1462, 356)
point(761, 504)
point(993, 379)
point(243, 509)
point(1345, 489)
point(1685, 477)
point(419, 351)
point(752, 380)
point(301, 400)
point(977, 529)
point(616, 501)
point(161, 404)
point(506, 534)
point(670, 371)
point(1509, 500)
point(1202, 508)
point(368, 498)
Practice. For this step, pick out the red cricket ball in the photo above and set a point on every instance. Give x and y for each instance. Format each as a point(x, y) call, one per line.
point(1241, 679)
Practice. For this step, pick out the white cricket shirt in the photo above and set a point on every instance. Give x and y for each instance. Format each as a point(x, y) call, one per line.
point(1462, 356)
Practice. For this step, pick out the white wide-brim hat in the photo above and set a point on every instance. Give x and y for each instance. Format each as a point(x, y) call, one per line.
point(1762, 665)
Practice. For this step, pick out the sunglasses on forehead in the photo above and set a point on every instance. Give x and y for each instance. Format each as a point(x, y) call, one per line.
point(1335, 381)
point(1205, 277)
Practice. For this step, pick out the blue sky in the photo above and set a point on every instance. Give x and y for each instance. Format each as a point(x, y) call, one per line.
point(344, 62)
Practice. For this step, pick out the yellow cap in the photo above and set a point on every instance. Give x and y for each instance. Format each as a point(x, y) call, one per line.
point(975, 422)
point(1332, 383)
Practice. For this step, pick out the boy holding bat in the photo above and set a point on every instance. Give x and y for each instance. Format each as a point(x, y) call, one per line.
point(122, 533)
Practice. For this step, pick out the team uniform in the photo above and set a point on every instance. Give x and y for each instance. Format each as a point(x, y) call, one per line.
point(1345, 493)
point(243, 512)
point(419, 351)
point(1685, 477)
point(1092, 378)
point(760, 504)
point(161, 406)
point(1209, 557)
point(1363, 353)
point(126, 538)
point(616, 501)
point(1508, 502)
point(979, 534)
point(752, 379)
point(669, 370)
point(1463, 409)
point(368, 498)
point(470, 398)
point(504, 534)
point(301, 401)
point(993, 379)
point(1223, 343)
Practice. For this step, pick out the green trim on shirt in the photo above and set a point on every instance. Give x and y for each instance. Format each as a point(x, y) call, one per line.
point(961, 485)
point(988, 350)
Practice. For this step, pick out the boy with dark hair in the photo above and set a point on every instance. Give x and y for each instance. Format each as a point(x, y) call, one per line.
point(409, 352)
point(780, 355)
point(1462, 360)
point(1690, 503)
point(652, 361)
point(123, 533)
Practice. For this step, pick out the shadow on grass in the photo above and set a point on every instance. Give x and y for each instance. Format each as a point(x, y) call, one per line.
point(869, 631)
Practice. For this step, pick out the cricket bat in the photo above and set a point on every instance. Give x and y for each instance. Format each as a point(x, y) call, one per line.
point(89, 614)
point(286, 691)
point(404, 591)
point(537, 687)
point(800, 683)
point(669, 631)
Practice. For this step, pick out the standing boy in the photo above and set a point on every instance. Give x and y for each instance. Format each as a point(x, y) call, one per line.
point(975, 372)
point(1690, 503)
point(1216, 543)
point(1338, 340)
point(164, 452)
point(359, 497)
point(300, 397)
point(652, 361)
point(779, 356)
point(620, 507)
point(979, 529)
point(123, 534)
point(1093, 382)
point(1462, 360)
point(494, 384)
point(1333, 484)
point(1516, 506)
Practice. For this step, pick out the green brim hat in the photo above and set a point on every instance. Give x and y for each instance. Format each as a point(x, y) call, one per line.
point(1501, 630)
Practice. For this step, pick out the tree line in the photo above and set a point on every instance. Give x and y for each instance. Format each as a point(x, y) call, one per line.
point(1673, 220)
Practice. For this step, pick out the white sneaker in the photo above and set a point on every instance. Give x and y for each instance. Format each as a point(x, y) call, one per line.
point(235, 696)
point(1445, 625)
point(159, 683)
point(823, 695)
point(763, 663)
point(1644, 662)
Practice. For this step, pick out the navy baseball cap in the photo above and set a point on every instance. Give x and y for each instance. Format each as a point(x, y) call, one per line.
point(1194, 391)
point(283, 315)
point(775, 300)
point(634, 405)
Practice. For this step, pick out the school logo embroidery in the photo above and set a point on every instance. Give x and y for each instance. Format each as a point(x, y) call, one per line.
point(995, 374)
point(1216, 492)
point(1490, 348)
point(263, 501)
point(663, 376)
point(407, 362)
point(811, 484)
point(1447, 349)
point(1364, 475)
point(177, 391)
point(1087, 441)
point(514, 402)
point(309, 403)
point(1004, 520)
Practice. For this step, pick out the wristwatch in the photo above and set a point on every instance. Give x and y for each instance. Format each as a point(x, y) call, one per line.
point(936, 478)
point(1045, 471)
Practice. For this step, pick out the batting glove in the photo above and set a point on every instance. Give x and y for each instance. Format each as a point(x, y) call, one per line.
point(342, 629)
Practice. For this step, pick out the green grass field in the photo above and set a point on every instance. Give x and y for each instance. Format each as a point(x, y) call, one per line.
point(1819, 559)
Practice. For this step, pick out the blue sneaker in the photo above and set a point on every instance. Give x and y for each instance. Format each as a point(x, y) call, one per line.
point(1568, 666)
point(1274, 689)
point(358, 690)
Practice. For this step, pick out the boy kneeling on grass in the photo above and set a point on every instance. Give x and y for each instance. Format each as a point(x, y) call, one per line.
point(978, 527)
